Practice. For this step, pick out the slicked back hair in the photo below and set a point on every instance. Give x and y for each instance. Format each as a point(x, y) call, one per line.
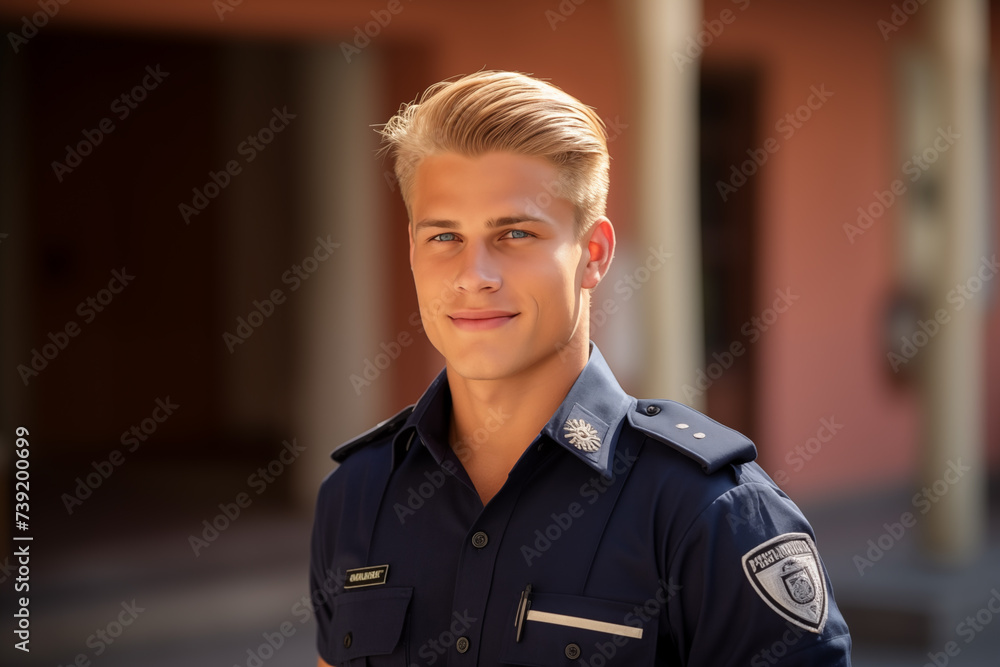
point(507, 112)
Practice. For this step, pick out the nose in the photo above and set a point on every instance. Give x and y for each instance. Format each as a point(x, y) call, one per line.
point(478, 271)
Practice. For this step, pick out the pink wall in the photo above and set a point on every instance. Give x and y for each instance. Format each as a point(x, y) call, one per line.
point(993, 330)
point(824, 357)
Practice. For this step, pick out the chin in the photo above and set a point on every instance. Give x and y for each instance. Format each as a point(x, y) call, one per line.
point(480, 367)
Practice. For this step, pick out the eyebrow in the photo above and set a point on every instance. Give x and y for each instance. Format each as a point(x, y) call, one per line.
point(492, 223)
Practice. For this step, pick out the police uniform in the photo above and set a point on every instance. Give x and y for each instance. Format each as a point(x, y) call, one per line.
point(630, 532)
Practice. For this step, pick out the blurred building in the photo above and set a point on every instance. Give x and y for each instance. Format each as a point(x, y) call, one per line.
point(204, 265)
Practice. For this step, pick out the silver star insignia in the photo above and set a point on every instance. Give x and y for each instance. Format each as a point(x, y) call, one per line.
point(582, 435)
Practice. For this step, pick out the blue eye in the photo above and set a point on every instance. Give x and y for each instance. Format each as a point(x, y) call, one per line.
point(519, 234)
point(446, 236)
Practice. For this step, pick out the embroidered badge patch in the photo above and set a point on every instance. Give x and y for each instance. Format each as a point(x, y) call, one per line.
point(785, 572)
point(582, 435)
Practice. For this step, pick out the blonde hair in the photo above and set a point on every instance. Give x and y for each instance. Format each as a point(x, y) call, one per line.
point(512, 112)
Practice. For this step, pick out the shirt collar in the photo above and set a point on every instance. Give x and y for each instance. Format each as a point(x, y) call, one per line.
point(586, 424)
point(429, 421)
point(589, 420)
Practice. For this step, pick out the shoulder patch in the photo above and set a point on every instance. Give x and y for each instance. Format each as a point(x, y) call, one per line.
point(382, 429)
point(692, 433)
point(786, 574)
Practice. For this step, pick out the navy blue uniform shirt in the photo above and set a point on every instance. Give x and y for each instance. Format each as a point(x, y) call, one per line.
point(630, 532)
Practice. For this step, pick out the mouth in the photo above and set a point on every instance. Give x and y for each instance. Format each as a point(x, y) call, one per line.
point(481, 320)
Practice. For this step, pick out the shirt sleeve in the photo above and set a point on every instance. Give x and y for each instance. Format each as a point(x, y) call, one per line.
point(324, 581)
point(753, 590)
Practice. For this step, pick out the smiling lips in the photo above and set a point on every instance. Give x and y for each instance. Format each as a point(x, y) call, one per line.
point(481, 320)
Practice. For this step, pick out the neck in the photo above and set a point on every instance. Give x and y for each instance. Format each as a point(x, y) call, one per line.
point(493, 421)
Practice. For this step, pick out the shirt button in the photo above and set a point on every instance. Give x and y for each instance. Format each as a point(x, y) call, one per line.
point(479, 540)
point(347, 640)
point(651, 410)
point(572, 651)
point(462, 645)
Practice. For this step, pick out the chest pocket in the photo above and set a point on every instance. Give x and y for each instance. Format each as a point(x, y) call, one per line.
point(569, 629)
point(367, 624)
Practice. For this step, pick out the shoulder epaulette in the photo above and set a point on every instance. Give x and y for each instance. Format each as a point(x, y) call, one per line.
point(382, 429)
point(692, 433)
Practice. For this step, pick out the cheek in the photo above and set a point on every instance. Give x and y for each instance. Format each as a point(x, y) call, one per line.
point(424, 297)
point(557, 285)
point(424, 279)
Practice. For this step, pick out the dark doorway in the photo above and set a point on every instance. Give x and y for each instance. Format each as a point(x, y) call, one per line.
point(728, 104)
point(123, 365)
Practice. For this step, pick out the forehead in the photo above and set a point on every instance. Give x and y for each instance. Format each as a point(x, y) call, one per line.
point(494, 180)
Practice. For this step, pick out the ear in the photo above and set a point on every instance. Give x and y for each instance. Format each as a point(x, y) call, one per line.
point(600, 249)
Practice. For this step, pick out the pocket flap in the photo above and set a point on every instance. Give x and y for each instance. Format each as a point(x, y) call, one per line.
point(368, 622)
point(558, 628)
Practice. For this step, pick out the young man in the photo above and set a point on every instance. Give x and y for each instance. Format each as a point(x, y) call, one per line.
point(527, 511)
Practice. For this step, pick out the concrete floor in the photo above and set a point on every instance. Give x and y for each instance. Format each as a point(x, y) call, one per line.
point(218, 608)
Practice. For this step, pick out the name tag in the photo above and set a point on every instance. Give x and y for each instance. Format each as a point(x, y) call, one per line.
point(366, 576)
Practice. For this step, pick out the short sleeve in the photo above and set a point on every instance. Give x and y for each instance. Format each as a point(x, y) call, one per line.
point(754, 590)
